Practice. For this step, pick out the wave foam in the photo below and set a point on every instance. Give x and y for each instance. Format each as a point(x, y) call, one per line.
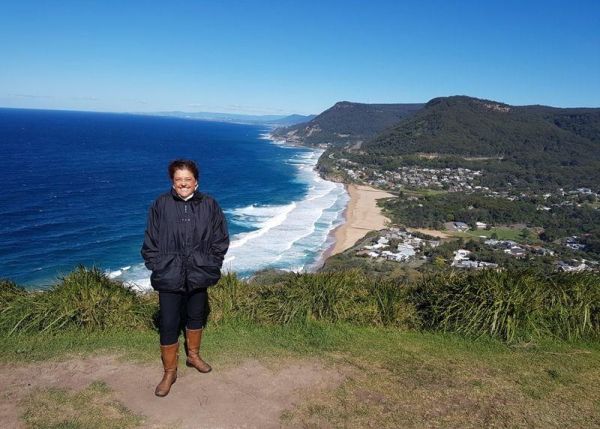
point(292, 236)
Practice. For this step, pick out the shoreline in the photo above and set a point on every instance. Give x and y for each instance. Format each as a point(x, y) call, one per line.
point(362, 215)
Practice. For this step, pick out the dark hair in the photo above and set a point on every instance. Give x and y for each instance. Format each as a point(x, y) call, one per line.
point(183, 164)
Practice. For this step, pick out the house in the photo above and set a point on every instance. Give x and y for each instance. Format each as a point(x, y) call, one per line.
point(563, 266)
point(390, 255)
point(542, 251)
point(487, 264)
point(406, 251)
point(573, 243)
point(506, 244)
point(480, 225)
point(516, 251)
point(474, 264)
point(381, 243)
point(456, 226)
point(465, 263)
point(460, 256)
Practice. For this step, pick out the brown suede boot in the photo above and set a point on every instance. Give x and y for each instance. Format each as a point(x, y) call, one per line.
point(169, 355)
point(193, 338)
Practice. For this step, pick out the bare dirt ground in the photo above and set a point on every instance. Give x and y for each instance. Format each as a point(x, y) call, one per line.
point(250, 395)
point(431, 232)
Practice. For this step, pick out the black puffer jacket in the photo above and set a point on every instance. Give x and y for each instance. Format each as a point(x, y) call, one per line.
point(185, 242)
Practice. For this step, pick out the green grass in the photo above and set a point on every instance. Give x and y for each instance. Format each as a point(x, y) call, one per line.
point(92, 407)
point(423, 192)
point(502, 233)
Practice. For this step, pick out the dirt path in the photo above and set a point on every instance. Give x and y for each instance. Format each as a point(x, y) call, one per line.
point(250, 395)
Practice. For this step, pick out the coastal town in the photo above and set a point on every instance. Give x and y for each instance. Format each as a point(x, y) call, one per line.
point(399, 245)
point(450, 179)
point(396, 244)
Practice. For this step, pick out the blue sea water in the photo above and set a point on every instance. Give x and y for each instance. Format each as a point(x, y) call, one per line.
point(76, 187)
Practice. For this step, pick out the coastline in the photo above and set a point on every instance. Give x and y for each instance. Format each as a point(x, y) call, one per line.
point(361, 215)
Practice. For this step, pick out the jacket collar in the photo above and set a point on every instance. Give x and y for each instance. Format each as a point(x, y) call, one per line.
point(197, 196)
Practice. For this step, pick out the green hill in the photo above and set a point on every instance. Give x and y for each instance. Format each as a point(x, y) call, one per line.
point(472, 127)
point(526, 146)
point(347, 122)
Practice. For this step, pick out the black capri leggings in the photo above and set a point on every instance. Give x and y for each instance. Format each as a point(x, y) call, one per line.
point(192, 307)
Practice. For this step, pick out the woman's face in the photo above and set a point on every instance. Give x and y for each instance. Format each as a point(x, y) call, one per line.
point(184, 182)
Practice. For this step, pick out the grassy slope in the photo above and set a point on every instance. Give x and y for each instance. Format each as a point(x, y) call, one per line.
point(396, 378)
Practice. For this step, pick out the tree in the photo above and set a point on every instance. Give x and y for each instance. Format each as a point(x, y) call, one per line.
point(439, 262)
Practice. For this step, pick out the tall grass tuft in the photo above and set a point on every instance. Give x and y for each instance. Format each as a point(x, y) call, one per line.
point(85, 299)
point(510, 305)
point(393, 309)
point(9, 291)
point(232, 299)
point(330, 297)
point(348, 296)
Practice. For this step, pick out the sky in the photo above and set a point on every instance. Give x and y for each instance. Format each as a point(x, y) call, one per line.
point(283, 57)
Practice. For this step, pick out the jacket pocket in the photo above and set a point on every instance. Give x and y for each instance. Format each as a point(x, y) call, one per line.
point(204, 271)
point(167, 273)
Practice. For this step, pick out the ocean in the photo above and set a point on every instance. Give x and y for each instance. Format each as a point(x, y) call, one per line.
point(76, 187)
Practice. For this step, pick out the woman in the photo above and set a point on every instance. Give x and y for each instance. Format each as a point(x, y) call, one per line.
point(184, 245)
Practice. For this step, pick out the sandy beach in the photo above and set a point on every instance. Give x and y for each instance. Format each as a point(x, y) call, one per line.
point(362, 215)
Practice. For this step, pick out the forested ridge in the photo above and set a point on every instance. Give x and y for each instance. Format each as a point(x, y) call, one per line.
point(347, 122)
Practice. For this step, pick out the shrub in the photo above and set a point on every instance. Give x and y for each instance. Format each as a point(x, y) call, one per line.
point(510, 305)
point(85, 298)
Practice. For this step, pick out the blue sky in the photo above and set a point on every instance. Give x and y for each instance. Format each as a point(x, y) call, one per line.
point(280, 57)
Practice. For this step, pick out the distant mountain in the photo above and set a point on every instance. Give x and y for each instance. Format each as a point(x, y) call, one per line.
point(347, 122)
point(274, 120)
point(521, 143)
